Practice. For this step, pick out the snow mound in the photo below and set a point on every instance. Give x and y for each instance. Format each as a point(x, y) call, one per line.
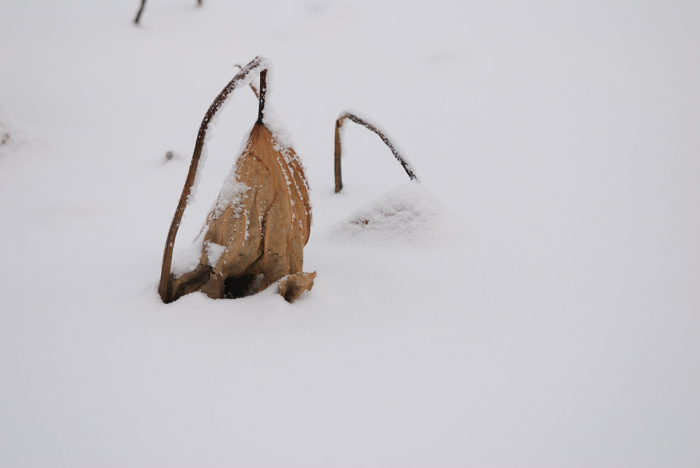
point(188, 259)
point(408, 213)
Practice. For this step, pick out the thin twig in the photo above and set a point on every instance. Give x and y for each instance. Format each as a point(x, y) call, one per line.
point(252, 86)
point(143, 3)
point(138, 15)
point(259, 63)
point(369, 126)
point(261, 97)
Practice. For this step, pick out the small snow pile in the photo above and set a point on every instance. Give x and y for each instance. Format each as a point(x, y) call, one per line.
point(281, 138)
point(232, 193)
point(214, 252)
point(188, 259)
point(408, 213)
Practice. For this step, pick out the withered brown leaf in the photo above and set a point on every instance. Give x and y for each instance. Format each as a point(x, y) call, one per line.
point(264, 232)
point(257, 237)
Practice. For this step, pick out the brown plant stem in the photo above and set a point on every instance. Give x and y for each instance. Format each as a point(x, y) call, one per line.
point(369, 126)
point(165, 285)
point(252, 86)
point(261, 96)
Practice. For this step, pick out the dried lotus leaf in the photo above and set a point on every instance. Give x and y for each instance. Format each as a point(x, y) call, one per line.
point(264, 232)
point(257, 232)
point(292, 286)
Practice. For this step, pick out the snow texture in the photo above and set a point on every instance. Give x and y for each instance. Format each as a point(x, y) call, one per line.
point(232, 193)
point(406, 214)
point(188, 259)
point(214, 252)
point(9, 137)
point(554, 324)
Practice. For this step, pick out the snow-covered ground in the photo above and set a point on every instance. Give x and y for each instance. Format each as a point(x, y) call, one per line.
point(541, 308)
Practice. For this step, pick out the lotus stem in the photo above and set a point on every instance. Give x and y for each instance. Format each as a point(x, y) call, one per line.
point(138, 15)
point(252, 86)
point(143, 3)
point(369, 126)
point(261, 96)
point(259, 63)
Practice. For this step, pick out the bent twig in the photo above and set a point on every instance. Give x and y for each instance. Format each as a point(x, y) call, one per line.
point(138, 15)
point(259, 63)
point(385, 139)
point(143, 3)
point(252, 86)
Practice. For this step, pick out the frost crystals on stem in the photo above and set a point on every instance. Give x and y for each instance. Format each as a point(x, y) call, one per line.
point(375, 129)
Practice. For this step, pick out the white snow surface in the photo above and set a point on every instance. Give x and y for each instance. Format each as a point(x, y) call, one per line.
point(406, 214)
point(186, 260)
point(555, 324)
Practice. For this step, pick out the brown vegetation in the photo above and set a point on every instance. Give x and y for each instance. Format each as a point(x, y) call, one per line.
point(369, 126)
point(257, 237)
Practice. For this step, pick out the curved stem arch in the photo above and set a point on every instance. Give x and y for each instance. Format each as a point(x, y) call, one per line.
point(338, 147)
point(258, 64)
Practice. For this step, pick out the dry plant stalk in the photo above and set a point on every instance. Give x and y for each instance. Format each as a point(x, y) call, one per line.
point(252, 86)
point(143, 4)
point(256, 234)
point(385, 139)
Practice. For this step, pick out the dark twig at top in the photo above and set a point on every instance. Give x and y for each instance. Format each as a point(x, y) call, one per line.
point(143, 4)
point(138, 15)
